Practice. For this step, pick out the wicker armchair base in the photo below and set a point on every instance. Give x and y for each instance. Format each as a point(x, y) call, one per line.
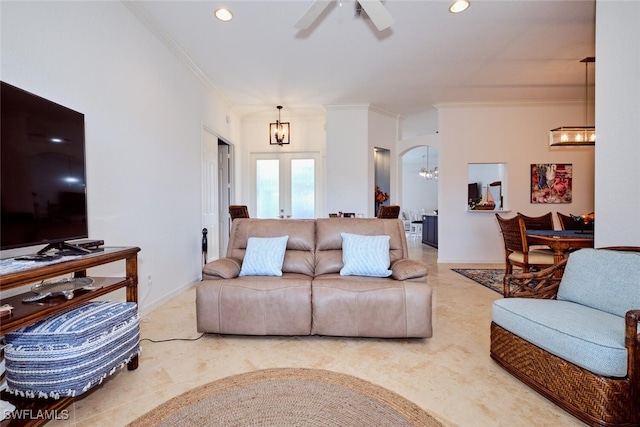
point(596, 400)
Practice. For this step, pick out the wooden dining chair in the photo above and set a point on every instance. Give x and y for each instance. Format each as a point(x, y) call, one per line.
point(543, 222)
point(238, 211)
point(568, 222)
point(516, 248)
point(391, 211)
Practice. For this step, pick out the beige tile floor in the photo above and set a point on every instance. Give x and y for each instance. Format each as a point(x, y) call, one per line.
point(450, 375)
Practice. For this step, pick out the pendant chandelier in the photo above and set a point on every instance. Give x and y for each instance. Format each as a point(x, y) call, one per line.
point(577, 135)
point(425, 172)
point(279, 131)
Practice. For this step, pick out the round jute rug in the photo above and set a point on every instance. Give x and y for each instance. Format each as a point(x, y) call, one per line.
point(288, 397)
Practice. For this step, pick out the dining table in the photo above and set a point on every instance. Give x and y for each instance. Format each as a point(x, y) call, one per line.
point(560, 241)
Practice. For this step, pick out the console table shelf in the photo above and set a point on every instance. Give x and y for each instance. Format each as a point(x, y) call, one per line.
point(25, 314)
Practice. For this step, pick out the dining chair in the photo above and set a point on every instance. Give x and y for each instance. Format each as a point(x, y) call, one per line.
point(516, 248)
point(568, 222)
point(391, 211)
point(415, 225)
point(238, 211)
point(543, 222)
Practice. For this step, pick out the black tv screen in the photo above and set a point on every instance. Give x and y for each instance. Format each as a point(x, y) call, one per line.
point(43, 171)
point(474, 191)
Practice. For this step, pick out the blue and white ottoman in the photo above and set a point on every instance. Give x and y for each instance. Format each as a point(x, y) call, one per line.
point(69, 353)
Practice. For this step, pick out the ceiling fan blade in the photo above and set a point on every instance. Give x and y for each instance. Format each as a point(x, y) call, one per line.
point(378, 14)
point(312, 14)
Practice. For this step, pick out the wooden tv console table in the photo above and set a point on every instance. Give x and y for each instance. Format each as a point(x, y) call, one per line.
point(25, 314)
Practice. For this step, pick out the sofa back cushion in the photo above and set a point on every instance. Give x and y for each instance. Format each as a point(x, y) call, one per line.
point(298, 257)
point(329, 239)
point(606, 280)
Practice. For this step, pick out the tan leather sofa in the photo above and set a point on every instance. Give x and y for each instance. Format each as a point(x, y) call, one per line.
point(311, 297)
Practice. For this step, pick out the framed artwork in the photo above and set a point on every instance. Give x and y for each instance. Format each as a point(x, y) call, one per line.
point(551, 182)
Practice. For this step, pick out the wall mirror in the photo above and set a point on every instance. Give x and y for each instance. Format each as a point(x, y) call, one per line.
point(487, 181)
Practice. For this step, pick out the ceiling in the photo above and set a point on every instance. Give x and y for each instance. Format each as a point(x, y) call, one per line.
point(496, 51)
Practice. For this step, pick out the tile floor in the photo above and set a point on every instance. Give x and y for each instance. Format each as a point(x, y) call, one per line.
point(450, 375)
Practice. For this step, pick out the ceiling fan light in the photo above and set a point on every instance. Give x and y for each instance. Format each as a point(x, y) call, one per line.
point(223, 14)
point(459, 6)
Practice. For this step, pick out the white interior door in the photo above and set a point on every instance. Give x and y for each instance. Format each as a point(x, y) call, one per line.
point(225, 161)
point(284, 185)
point(210, 193)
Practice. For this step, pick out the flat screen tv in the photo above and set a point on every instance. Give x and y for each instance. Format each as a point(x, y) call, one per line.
point(44, 198)
point(474, 191)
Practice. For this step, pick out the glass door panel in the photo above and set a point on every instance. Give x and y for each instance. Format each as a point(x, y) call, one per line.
point(285, 184)
point(267, 188)
point(303, 196)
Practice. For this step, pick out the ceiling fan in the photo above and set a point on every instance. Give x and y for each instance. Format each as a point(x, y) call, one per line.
point(376, 11)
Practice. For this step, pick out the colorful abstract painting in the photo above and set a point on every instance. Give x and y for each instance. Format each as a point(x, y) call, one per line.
point(551, 182)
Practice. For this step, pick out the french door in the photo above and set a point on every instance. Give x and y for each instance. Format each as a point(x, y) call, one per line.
point(284, 185)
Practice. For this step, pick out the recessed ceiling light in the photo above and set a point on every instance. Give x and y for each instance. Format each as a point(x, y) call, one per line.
point(224, 14)
point(459, 6)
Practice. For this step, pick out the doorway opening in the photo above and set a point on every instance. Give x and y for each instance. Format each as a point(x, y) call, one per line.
point(217, 187)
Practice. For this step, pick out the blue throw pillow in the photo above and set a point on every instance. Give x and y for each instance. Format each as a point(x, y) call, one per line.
point(264, 256)
point(365, 255)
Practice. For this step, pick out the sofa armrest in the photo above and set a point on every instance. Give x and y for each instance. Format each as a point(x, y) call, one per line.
point(632, 342)
point(541, 284)
point(404, 269)
point(632, 336)
point(223, 268)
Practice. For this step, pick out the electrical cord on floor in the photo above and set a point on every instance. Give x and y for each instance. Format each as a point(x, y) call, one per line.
point(172, 339)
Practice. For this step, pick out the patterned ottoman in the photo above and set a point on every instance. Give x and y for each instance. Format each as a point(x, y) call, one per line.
point(67, 354)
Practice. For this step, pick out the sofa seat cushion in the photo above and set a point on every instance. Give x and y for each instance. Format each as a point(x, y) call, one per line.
point(370, 307)
point(255, 305)
point(540, 257)
point(589, 338)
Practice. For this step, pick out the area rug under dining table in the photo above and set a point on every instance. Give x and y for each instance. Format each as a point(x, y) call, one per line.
point(488, 277)
point(288, 397)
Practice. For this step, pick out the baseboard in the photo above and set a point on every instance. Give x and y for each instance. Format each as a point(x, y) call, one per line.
point(146, 308)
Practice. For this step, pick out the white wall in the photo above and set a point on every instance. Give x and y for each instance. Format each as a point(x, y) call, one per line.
point(517, 135)
point(382, 133)
point(144, 113)
point(308, 134)
point(347, 164)
point(353, 134)
point(617, 123)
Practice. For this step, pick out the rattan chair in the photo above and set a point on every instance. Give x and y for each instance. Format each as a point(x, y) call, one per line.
point(595, 399)
point(516, 248)
point(544, 222)
point(238, 211)
point(392, 211)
